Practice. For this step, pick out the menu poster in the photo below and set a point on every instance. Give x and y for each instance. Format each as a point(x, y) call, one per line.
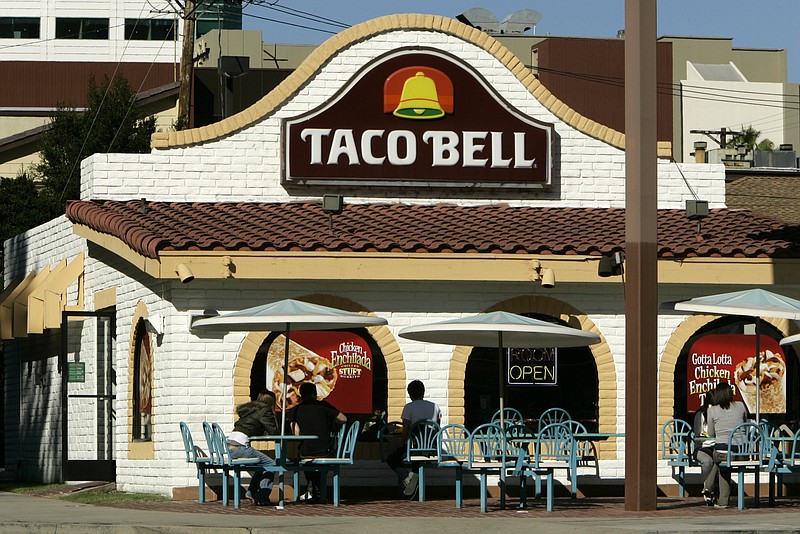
point(339, 364)
point(730, 358)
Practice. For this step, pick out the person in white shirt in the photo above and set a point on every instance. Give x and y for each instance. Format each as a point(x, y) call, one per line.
point(418, 409)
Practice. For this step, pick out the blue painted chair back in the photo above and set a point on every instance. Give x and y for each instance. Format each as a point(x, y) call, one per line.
point(511, 416)
point(453, 443)
point(555, 443)
point(188, 444)
point(745, 444)
point(213, 450)
point(677, 439)
point(347, 442)
point(422, 439)
point(487, 444)
point(552, 415)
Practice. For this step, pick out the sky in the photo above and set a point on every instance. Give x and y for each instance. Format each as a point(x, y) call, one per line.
point(751, 24)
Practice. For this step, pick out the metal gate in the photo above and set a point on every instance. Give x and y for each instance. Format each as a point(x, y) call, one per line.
point(88, 387)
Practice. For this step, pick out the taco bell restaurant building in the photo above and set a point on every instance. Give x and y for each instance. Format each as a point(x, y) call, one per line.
point(466, 187)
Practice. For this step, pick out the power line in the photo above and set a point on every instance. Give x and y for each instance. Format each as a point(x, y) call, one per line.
point(299, 13)
point(289, 24)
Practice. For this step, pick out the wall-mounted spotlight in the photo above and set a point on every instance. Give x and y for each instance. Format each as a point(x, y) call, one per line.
point(542, 274)
point(185, 274)
point(154, 324)
point(332, 205)
point(611, 265)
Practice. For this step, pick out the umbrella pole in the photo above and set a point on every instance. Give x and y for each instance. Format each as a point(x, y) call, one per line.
point(285, 379)
point(758, 371)
point(501, 377)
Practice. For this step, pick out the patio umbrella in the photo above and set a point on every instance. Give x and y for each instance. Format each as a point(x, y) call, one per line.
point(287, 315)
point(754, 303)
point(502, 330)
point(790, 340)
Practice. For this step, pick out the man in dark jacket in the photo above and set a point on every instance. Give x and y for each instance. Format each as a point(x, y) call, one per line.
point(256, 418)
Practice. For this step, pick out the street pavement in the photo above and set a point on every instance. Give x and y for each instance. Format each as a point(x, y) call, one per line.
point(25, 513)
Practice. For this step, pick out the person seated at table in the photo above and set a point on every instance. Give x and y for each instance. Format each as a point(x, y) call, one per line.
point(314, 417)
point(255, 418)
point(704, 451)
point(418, 409)
point(725, 415)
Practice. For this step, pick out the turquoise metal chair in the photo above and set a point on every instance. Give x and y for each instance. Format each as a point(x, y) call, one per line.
point(677, 447)
point(488, 455)
point(230, 465)
point(511, 416)
point(745, 453)
point(555, 449)
point(422, 449)
point(346, 439)
point(552, 415)
point(453, 453)
point(195, 455)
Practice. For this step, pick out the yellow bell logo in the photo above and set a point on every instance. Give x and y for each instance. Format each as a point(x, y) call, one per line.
point(419, 99)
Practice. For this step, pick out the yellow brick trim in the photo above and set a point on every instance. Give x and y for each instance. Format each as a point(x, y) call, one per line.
point(672, 351)
point(138, 450)
point(395, 366)
point(360, 32)
point(606, 371)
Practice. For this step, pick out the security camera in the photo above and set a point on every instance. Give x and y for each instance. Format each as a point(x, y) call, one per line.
point(185, 274)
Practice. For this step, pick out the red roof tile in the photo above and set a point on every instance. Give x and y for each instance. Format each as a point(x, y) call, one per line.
point(490, 229)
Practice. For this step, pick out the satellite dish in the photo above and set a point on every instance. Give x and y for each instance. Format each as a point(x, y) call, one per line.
point(480, 18)
point(521, 21)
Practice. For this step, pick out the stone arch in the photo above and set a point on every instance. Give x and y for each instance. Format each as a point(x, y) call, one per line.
point(606, 371)
point(395, 367)
point(672, 351)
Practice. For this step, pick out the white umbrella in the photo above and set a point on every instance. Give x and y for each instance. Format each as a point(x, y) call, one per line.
point(755, 303)
point(790, 340)
point(502, 330)
point(287, 315)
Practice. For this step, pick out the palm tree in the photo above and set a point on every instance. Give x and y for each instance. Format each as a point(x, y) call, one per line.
point(748, 137)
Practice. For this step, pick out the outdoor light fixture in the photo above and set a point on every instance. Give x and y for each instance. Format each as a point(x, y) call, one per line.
point(184, 273)
point(611, 265)
point(542, 274)
point(154, 324)
point(696, 209)
point(332, 205)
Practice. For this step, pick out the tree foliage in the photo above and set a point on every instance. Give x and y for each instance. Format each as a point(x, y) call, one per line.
point(750, 139)
point(110, 123)
point(22, 207)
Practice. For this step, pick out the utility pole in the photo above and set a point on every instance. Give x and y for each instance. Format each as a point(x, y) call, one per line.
point(185, 118)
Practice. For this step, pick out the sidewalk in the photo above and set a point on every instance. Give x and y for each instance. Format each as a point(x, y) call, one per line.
point(22, 513)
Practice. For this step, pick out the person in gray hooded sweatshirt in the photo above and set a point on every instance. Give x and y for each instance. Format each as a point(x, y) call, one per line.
point(256, 418)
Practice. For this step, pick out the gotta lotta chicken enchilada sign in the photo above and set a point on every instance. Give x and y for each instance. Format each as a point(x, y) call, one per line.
point(339, 364)
point(731, 358)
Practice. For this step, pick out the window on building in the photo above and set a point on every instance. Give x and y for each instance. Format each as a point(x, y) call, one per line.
point(149, 29)
point(347, 366)
point(567, 378)
point(19, 28)
point(718, 352)
point(81, 28)
point(142, 384)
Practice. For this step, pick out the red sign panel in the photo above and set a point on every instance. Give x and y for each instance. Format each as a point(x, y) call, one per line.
point(730, 358)
point(417, 118)
point(339, 363)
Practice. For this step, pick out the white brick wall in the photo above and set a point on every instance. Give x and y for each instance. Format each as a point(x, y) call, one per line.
point(245, 165)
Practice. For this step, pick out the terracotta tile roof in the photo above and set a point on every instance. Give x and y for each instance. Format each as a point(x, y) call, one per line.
point(498, 229)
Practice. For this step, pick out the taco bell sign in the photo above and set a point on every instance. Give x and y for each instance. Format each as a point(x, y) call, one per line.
point(417, 118)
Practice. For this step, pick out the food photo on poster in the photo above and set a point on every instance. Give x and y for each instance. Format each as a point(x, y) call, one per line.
point(730, 358)
point(339, 364)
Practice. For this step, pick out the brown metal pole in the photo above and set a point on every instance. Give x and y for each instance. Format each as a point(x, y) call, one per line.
point(641, 294)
